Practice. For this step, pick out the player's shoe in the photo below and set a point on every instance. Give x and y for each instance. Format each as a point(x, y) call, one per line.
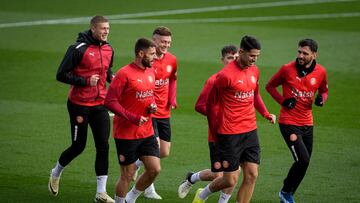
point(197, 198)
point(152, 195)
point(53, 184)
point(185, 186)
point(103, 197)
point(286, 197)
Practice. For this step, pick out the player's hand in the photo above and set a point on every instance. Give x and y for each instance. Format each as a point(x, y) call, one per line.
point(289, 103)
point(271, 118)
point(143, 120)
point(319, 100)
point(94, 79)
point(152, 108)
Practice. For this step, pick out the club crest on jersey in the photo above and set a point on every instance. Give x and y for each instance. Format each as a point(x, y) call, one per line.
point(169, 68)
point(253, 79)
point(151, 79)
point(313, 81)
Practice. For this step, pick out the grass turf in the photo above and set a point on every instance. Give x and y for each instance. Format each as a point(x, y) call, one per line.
point(34, 126)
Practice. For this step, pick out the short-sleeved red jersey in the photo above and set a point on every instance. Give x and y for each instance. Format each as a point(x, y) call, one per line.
point(129, 96)
point(303, 89)
point(237, 94)
point(165, 69)
point(200, 105)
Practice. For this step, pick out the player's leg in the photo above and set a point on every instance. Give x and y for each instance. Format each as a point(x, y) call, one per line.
point(293, 137)
point(250, 160)
point(127, 155)
point(250, 173)
point(149, 154)
point(164, 133)
point(78, 124)
point(100, 124)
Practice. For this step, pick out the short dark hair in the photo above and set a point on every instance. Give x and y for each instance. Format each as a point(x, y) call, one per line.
point(143, 44)
point(248, 42)
point(228, 49)
point(162, 31)
point(310, 43)
point(98, 19)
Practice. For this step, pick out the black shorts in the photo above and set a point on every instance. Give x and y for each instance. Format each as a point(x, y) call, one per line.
point(237, 149)
point(162, 128)
point(215, 157)
point(129, 151)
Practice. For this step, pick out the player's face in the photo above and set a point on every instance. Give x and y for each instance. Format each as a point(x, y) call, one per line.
point(148, 58)
point(305, 56)
point(101, 31)
point(248, 58)
point(229, 57)
point(163, 43)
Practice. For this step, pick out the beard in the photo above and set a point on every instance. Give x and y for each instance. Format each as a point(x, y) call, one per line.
point(146, 62)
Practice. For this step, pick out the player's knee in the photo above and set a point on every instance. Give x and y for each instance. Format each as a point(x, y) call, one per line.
point(231, 181)
point(164, 153)
point(216, 175)
point(251, 176)
point(154, 171)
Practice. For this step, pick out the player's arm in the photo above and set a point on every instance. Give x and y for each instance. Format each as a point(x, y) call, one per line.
point(200, 105)
point(271, 86)
point(113, 96)
point(212, 100)
point(71, 59)
point(323, 91)
point(172, 88)
point(260, 106)
point(109, 73)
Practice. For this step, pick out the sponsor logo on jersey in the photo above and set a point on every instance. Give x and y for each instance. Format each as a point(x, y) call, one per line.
point(302, 94)
point(161, 82)
point(242, 96)
point(144, 94)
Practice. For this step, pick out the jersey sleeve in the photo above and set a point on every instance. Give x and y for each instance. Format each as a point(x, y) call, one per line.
point(172, 86)
point(200, 105)
point(71, 59)
point(323, 88)
point(259, 103)
point(274, 82)
point(113, 97)
point(213, 99)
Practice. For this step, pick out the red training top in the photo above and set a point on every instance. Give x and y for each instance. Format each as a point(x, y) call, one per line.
point(303, 89)
point(129, 96)
point(200, 105)
point(165, 84)
point(236, 92)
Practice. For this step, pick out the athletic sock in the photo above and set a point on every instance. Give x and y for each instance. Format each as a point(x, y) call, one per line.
point(205, 193)
point(132, 195)
point(224, 198)
point(150, 189)
point(101, 183)
point(119, 199)
point(138, 163)
point(195, 177)
point(56, 172)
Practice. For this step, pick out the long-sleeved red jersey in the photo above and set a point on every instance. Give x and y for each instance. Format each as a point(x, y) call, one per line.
point(129, 96)
point(303, 89)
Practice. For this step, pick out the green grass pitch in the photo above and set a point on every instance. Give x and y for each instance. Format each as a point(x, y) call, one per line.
point(34, 124)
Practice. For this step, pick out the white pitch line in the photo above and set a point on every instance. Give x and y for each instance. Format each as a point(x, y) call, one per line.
point(238, 19)
point(85, 20)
